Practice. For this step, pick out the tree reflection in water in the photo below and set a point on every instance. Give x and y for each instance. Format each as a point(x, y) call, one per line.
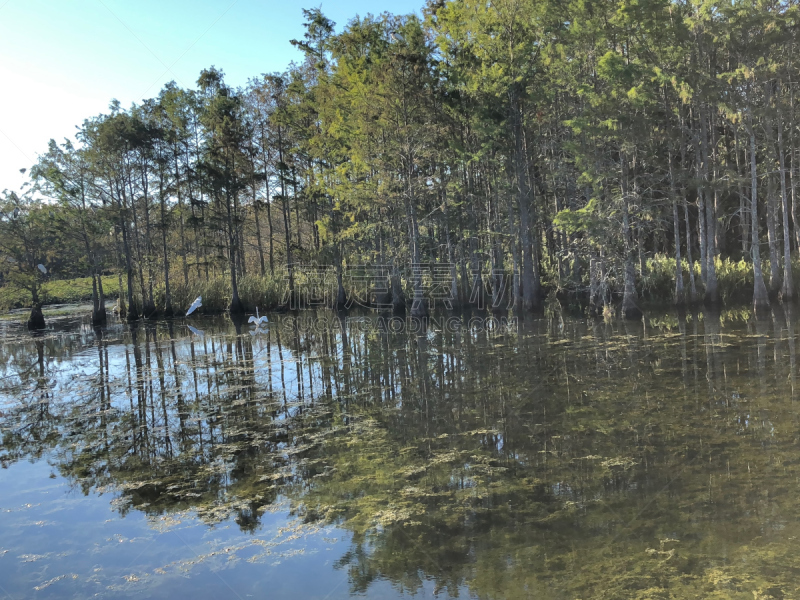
point(565, 459)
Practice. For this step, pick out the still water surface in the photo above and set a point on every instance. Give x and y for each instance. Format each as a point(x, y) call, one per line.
point(563, 458)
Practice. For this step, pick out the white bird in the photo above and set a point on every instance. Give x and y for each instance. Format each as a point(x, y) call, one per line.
point(198, 302)
point(42, 268)
point(258, 320)
point(195, 331)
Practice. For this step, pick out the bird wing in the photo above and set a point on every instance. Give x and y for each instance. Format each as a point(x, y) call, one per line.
point(195, 305)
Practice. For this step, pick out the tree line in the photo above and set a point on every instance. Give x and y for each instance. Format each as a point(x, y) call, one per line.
point(529, 146)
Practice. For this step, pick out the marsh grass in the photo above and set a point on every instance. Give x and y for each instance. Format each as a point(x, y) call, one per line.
point(734, 279)
point(214, 291)
point(264, 293)
point(656, 286)
point(61, 291)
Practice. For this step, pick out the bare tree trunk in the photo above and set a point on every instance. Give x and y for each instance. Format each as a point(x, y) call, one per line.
point(787, 290)
point(236, 303)
point(95, 301)
point(498, 266)
point(101, 300)
point(131, 313)
point(630, 310)
point(285, 205)
point(529, 291)
point(418, 307)
point(743, 212)
point(296, 210)
point(454, 300)
point(701, 226)
point(167, 294)
point(258, 231)
point(793, 185)
point(148, 303)
point(398, 296)
point(516, 297)
point(689, 260)
point(760, 296)
point(123, 310)
point(476, 289)
point(792, 158)
point(236, 306)
point(596, 296)
point(341, 296)
point(36, 318)
point(676, 225)
point(772, 237)
point(269, 219)
point(712, 292)
point(182, 232)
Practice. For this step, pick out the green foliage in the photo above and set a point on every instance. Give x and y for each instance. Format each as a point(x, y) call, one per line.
point(582, 220)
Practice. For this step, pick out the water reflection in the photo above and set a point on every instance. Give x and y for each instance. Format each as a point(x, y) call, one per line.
point(559, 458)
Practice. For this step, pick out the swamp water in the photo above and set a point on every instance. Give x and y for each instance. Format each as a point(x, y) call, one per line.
point(560, 458)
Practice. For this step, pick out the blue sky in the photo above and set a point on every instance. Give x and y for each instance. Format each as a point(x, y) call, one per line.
point(64, 60)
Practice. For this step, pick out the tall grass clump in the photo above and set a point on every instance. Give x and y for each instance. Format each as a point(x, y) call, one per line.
point(216, 293)
point(658, 281)
point(262, 292)
point(734, 280)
